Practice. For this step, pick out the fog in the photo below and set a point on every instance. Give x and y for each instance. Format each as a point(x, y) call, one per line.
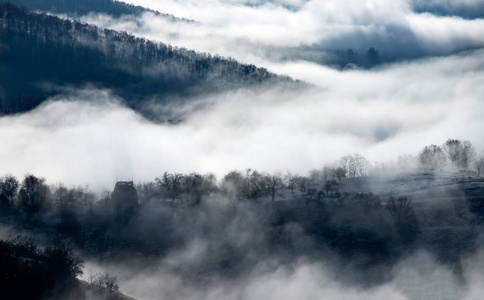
point(88, 136)
point(305, 281)
point(271, 32)
point(427, 88)
point(302, 268)
point(416, 277)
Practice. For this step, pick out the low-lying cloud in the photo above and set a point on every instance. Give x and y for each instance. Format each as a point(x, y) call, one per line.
point(271, 32)
point(89, 137)
point(417, 276)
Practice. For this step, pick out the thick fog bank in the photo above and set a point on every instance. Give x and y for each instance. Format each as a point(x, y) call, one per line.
point(89, 137)
point(321, 32)
point(418, 275)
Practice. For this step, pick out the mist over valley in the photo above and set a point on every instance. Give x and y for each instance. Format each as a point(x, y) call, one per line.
point(233, 149)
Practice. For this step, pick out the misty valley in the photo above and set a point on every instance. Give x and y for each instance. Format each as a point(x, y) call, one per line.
point(355, 221)
point(231, 149)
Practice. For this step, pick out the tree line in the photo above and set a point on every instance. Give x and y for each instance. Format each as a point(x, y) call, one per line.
point(32, 195)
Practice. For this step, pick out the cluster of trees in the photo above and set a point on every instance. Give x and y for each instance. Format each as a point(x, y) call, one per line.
point(190, 189)
point(104, 280)
point(31, 198)
point(341, 58)
point(30, 272)
point(452, 155)
point(40, 48)
point(459, 153)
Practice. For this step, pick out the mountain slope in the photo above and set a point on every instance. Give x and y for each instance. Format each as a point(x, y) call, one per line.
point(84, 7)
point(42, 54)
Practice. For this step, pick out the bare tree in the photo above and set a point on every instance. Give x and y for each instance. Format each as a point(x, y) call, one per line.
point(250, 185)
point(274, 183)
point(8, 188)
point(329, 186)
point(147, 191)
point(290, 181)
point(196, 186)
point(255, 185)
point(432, 157)
point(233, 184)
point(340, 173)
point(171, 185)
point(460, 153)
point(105, 280)
point(303, 183)
point(33, 196)
point(468, 153)
point(316, 176)
point(355, 165)
point(452, 149)
point(400, 208)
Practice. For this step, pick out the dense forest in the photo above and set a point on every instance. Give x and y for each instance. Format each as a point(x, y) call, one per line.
point(75, 8)
point(249, 216)
point(42, 54)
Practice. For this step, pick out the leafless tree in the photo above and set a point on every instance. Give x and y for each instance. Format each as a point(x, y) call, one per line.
point(329, 185)
point(274, 183)
point(340, 173)
point(105, 280)
point(255, 185)
point(468, 153)
point(147, 191)
point(354, 165)
point(233, 184)
point(196, 186)
point(316, 176)
point(171, 185)
point(290, 181)
point(400, 208)
point(8, 188)
point(460, 153)
point(432, 157)
point(33, 197)
point(303, 184)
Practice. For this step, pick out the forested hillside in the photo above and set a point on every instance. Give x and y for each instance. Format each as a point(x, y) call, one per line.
point(42, 54)
point(84, 7)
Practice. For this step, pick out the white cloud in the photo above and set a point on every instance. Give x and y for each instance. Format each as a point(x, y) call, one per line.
point(230, 28)
point(383, 113)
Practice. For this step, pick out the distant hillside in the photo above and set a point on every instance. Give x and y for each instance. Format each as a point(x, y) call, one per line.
point(41, 53)
point(84, 7)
